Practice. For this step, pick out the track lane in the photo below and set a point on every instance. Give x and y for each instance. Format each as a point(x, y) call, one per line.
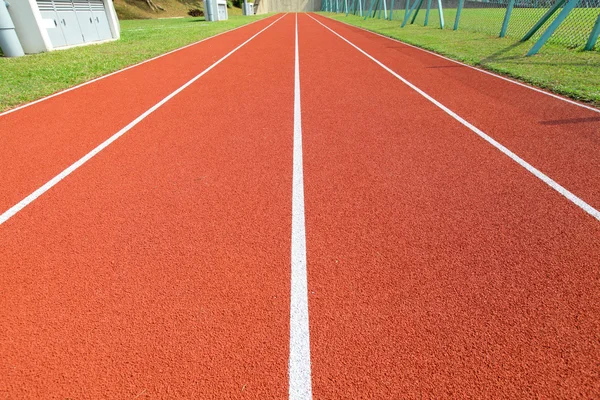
point(39, 141)
point(161, 267)
point(559, 138)
point(437, 266)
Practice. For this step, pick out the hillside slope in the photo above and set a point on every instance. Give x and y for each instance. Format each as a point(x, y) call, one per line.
point(139, 9)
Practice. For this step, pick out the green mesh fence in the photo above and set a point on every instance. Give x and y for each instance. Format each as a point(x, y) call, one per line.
point(487, 16)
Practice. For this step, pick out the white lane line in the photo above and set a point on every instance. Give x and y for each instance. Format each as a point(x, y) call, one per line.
point(535, 89)
point(539, 174)
point(119, 71)
point(48, 185)
point(300, 387)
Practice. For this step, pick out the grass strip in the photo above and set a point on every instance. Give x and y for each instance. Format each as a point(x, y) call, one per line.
point(25, 79)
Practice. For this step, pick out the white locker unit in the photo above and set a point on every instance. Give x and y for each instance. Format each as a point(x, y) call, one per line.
point(248, 8)
point(49, 24)
point(100, 18)
point(216, 10)
point(222, 10)
point(67, 21)
point(86, 21)
point(79, 21)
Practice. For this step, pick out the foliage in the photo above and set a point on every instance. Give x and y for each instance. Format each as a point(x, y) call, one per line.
point(194, 12)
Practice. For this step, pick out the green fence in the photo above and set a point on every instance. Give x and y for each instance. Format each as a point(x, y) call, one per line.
point(576, 22)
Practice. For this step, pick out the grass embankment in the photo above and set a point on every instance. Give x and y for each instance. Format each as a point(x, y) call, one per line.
point(28, 78)
point(573, 73)
point(138, 9)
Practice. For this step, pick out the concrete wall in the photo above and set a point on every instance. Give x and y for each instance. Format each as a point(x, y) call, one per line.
point(113, 20)
point(28, 24)
point(267, 6)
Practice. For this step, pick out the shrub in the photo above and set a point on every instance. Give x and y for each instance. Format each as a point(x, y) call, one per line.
point(194, 12)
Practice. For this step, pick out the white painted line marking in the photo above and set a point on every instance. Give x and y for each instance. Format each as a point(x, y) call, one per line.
point(535, 89)
point(48, 185)
point(119, 71)
point(550, 182)
point(299, 363)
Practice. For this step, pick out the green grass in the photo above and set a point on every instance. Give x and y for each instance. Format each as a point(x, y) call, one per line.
point(573, 73)
point(28, 78)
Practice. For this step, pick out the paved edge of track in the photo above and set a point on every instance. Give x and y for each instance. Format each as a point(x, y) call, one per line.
point(20, 107)
point(5, 216)
point(299, 364)
point(534, 171)
point(483, 71)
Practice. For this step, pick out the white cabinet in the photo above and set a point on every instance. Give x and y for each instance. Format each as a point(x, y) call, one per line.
point(222, 10)
point(86, 21)
point(51, 23)
point(100, 19)
point(72, 22)
point(45, 25)
point(215, 10)
point(67, 20)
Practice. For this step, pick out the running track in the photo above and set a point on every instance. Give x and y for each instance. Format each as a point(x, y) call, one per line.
point(357, 219)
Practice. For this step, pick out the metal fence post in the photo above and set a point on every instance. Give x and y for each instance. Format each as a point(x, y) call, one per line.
point(408, 12)
point(569, 6)
point(509, 9)
point(461, 3)
point(376, 7)
point(542, 20)
point(370, 9)
point(593, 36)
point(441, 11)
point(427, 13)
point(412, 21)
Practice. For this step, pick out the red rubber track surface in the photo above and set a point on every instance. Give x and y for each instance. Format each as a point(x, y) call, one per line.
point(560, 139)
point(437, 266)
point(38, 142)
point(160, 269)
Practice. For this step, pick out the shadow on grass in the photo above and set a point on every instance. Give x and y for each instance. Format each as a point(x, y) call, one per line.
point(497, 56)
point(527, 61)
point(500, 56)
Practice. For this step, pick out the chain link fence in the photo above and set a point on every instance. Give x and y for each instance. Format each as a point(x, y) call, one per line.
point(488, 16)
